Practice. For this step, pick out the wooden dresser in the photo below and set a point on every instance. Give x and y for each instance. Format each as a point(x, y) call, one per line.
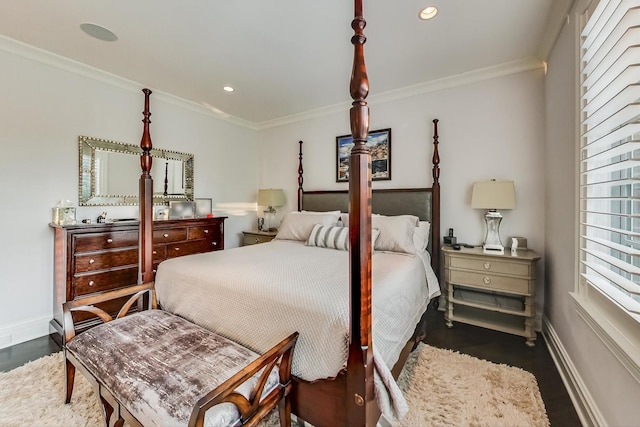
point(99, 257)
point(495, 291)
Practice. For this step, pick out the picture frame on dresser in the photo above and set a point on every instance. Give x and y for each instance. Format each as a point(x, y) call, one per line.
point(379, 141)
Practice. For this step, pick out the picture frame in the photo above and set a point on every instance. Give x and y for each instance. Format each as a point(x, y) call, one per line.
point(204, 208)
point(379, 141)
point(181, 210)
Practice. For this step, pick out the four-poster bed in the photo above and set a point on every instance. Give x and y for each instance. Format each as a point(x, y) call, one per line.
point(348, 397)
point(345, 390)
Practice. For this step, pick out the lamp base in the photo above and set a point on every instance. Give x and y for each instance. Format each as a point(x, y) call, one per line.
point(269, 219)
point(492, 243)
point(493, 249)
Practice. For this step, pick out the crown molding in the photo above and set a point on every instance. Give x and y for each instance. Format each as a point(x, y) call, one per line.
point(69, 65)
point(480, 74)
point(45, 57)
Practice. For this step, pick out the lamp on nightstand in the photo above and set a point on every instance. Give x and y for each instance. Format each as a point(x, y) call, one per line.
point(493, 195)
point(270, 197)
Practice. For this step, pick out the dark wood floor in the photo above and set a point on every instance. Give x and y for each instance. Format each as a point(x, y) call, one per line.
point(494, 346)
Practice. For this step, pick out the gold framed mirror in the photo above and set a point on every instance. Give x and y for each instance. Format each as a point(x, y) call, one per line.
point(109, 172)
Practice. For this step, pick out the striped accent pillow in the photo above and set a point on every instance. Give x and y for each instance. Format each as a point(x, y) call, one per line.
point(334, 237)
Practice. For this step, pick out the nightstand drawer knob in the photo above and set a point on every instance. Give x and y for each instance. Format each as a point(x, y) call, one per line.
point(165, 235)
point(487, 280)
point(155, 252)
point(109, 240)
point(257, 240)
point(91, 283)
point(206, 231)
point(176, 249)
point(91, 261)
point(214, 243)
point(487, 266)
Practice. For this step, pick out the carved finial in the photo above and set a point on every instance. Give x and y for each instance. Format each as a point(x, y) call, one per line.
point(436, 155)
point(300, 178)
point(145, 143)
point(359, 85)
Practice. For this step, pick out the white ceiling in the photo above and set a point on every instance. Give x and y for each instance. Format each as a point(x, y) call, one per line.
point(284, 57)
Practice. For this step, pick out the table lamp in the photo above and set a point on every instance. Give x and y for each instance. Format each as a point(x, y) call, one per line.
point(493, 195)
point(270, 197)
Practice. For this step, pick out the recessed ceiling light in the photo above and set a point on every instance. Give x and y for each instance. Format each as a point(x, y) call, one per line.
point(428, 12)
point(98, 32)
point(228, 89)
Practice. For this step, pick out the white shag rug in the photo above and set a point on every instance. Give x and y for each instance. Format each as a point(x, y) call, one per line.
point(443, 388)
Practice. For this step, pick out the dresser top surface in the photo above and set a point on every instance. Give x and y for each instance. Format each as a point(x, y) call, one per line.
point(134, 223)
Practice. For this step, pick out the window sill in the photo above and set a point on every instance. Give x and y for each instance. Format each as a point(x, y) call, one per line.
point(618, 332)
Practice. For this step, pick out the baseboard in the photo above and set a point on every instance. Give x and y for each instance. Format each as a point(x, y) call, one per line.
point(583, 402)
point(25, 331)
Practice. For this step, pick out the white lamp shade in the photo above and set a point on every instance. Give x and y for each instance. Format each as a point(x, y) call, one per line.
point(493, 195)
point(271, 197)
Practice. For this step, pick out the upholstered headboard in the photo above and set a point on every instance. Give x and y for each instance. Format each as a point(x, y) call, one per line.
point(411, 201)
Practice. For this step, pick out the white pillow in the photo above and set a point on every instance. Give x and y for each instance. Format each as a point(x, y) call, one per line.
point(396, 232)
point(421, 236)
point(298, 225)
point(334, 237)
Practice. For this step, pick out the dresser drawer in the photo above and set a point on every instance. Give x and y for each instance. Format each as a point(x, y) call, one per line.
point(170, 235)
point(159, 252)
point(489, 281)
point(107, 259)
point(192, 247)
point(211, 232)
point(492, 266)
point(100, 282)
point(102, 241)
point(254, 239)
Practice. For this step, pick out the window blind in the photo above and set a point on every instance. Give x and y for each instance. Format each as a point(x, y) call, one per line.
point(610, 153)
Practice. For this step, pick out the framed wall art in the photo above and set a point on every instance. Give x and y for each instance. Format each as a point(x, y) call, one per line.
point(379, 141)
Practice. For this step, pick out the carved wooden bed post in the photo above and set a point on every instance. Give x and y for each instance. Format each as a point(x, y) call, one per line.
point(435, 201)
point(145, 270)
point(361, 405)
point(300, 178)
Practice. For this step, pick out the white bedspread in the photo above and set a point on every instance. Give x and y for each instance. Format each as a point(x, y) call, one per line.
point(255, 295)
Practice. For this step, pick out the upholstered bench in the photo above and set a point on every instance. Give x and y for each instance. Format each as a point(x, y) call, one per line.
point(155, 368)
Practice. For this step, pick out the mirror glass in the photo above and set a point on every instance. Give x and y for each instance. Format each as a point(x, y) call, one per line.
point(110, 172)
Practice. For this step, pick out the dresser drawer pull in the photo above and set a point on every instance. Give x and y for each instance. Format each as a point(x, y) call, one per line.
point(165, 235)
point(91, 283)
point(155, 252)
point(487, 266)
point(214, 243)
point(109, 240)
point(487, 280)
point(176, 249)
point(257, 240)
point(91, 261)
point(206, 231)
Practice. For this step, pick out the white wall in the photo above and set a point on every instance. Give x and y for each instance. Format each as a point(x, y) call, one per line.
point(44, 109)
point(607, 391)
point(488, 129)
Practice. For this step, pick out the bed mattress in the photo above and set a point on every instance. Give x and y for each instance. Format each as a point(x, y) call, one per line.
point(255, 295)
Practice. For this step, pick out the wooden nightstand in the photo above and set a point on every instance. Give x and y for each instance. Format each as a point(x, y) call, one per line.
point(492, 291)
point(254, 237)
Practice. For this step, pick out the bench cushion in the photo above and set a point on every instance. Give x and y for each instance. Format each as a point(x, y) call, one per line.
point(158, 365)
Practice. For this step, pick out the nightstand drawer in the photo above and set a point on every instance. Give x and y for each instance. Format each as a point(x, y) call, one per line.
point(255, 237)
point(490, 281)
point(492, 266)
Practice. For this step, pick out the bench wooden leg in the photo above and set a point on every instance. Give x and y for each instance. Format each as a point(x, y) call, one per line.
point(284, 409)
point(70, 372)
point(107, 409)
